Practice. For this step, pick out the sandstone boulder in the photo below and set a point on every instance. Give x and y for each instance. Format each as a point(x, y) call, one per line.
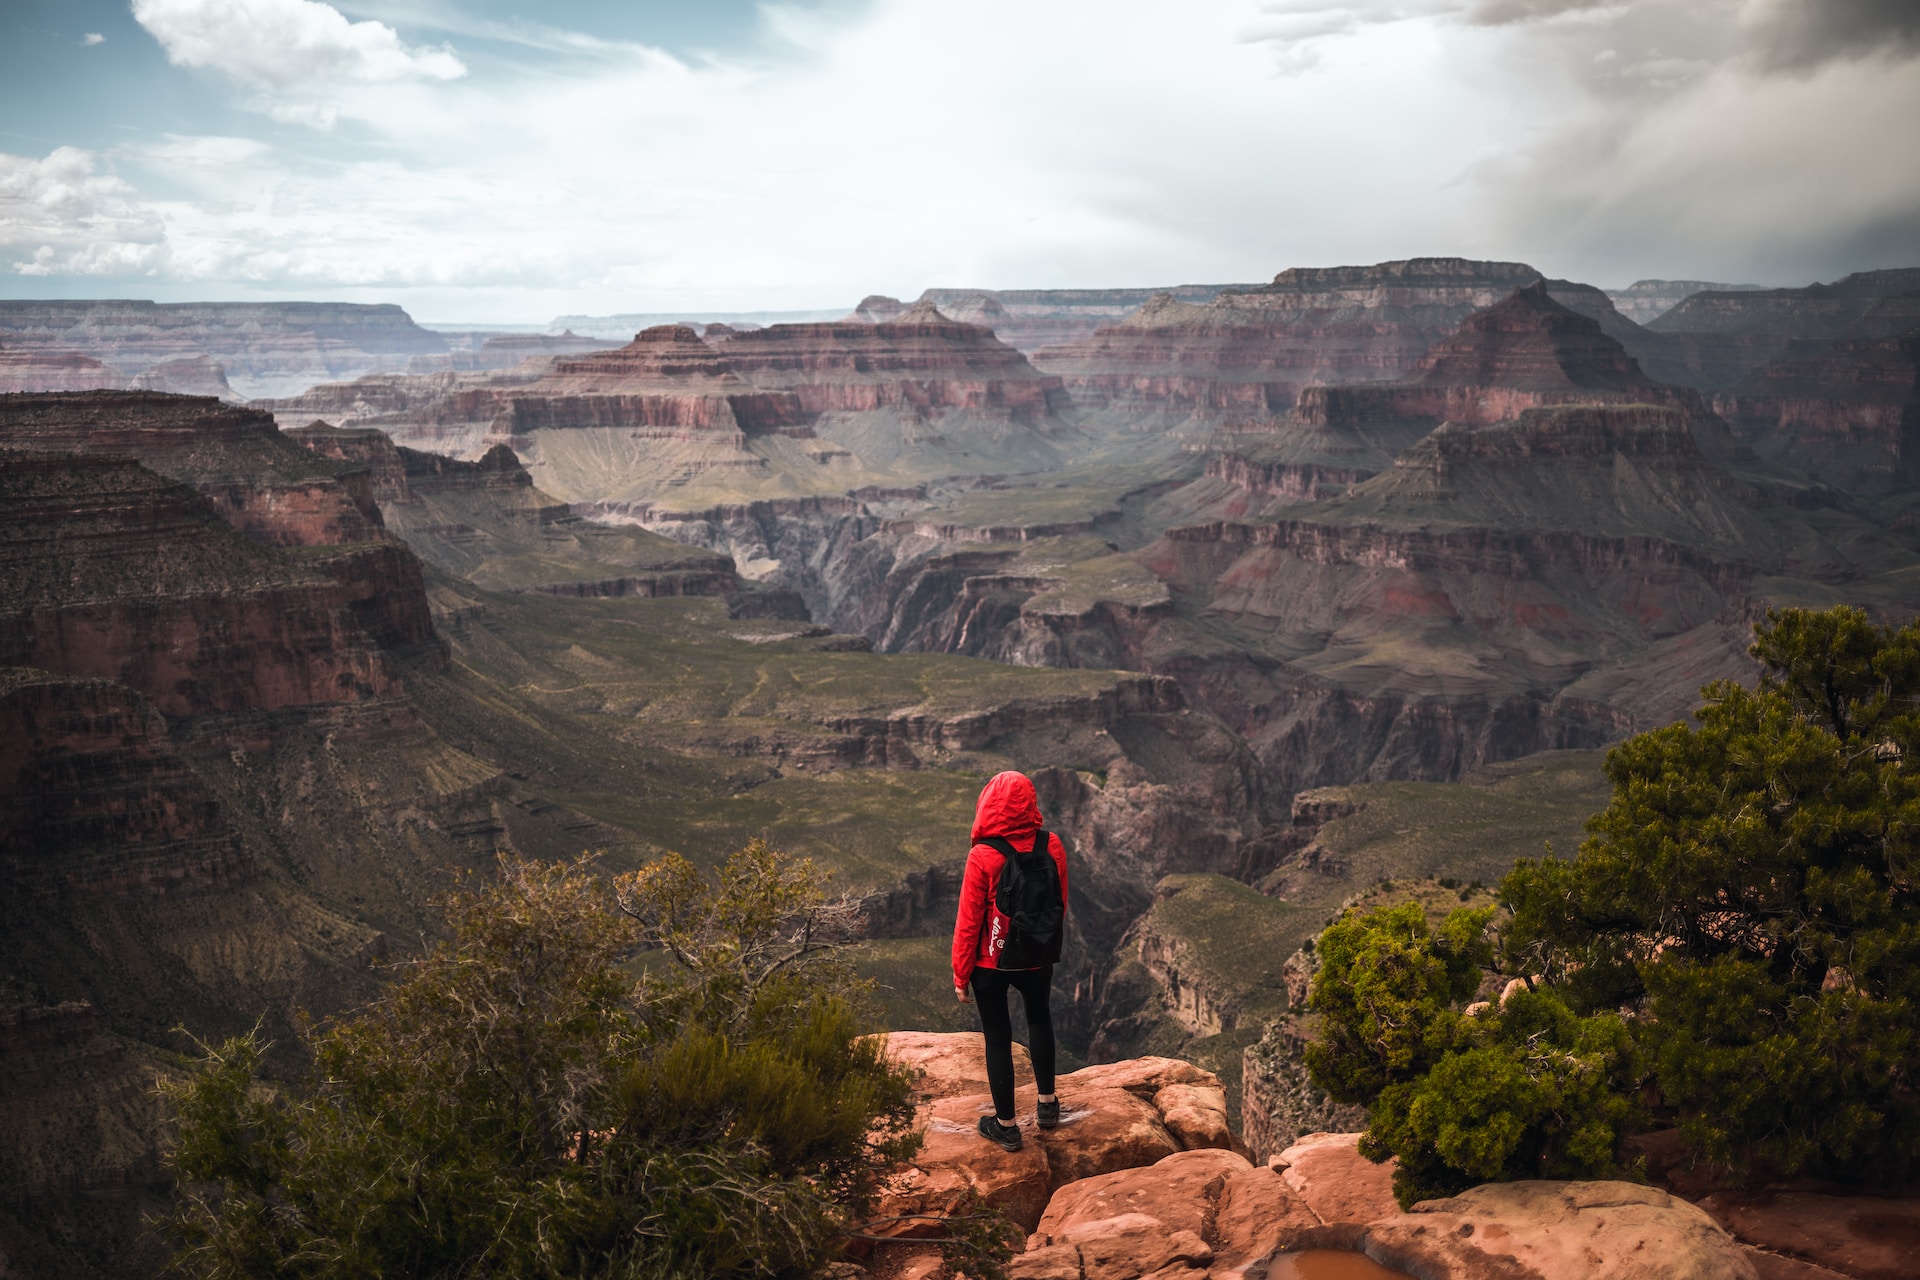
point(1124, 1247)
point(1142, 1076)
point(1339, 1184)
point(1101, 1130)
point(948, 1064)
point(1181, 1190)
point(1243, 1214)
point(1558, 1231)
point(1867, 1237)
point(1195, 1114)
point(1111, 1118)
point(1258, 1213)
point(957, 1164)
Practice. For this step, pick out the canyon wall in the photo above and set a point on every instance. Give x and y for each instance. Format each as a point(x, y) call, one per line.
point(1845, 412)
point(1724, 337)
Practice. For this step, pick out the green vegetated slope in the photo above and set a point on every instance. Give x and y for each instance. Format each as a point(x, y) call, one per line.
point(520, 539)
point(651, 725)
point(1472, 830)
point(690, 731)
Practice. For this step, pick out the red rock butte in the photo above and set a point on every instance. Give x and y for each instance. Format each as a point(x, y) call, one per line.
point(667, 381)
point(1247, 355)
point(919, 361)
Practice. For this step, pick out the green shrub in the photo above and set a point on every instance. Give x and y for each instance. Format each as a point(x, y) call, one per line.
point(1751, 892)
point(1523, 1089)
point(517, 1104)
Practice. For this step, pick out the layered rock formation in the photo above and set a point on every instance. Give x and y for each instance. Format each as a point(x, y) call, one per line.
point(1555, 580)
point(1246, 356)
point(1723, 337)
point(258, 481)
point(919, 368)
point(1136, 1182)
point(266, 348)
point(1594, 553)
point(35, 370)
point(673, 420)
point(486, 522)
point(199, 375)
point(1527, 351)
point(111, 571)
point(99, 798)
point(1846, 413)
point(1645, 301)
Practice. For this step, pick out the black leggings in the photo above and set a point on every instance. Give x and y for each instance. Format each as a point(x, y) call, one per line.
point(990, 987)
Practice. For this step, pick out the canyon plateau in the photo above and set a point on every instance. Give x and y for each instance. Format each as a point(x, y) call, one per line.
point(1287, 596)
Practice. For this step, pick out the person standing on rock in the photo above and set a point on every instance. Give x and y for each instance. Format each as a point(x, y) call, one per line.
point(1007, 936)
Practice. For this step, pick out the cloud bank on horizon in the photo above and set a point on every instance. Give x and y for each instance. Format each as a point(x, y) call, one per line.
point(479, 167)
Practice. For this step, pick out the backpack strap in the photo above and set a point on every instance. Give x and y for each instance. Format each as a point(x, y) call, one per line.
point(1005, 846)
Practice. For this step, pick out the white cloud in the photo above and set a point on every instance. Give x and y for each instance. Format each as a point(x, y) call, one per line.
point(909, 143)
point(92, 38)
point(280, 45)
point(61, 216)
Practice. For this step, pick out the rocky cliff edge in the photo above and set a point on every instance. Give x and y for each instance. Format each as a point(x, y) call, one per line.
point(1144, 1178)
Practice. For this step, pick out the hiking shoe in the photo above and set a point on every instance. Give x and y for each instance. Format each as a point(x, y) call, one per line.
point(1006, 1136)
point(1048, 1113)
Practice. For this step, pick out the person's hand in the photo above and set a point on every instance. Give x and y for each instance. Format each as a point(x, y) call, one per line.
point(960, 994)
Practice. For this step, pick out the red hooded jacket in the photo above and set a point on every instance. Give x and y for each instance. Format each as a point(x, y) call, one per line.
point(1009, 809)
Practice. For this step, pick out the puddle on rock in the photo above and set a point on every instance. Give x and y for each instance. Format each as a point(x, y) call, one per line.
point(1329, 1264)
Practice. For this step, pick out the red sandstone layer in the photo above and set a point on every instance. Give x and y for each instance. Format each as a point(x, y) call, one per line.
point(264, 485)
point(1527, 351)
point(108, 570)
point(1247, 355)
point(921, 362)
point(1847, 414)
point(97, 798)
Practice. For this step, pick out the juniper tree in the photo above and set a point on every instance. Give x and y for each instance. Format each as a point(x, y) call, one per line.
point(518, 1103)
point(1750, 895)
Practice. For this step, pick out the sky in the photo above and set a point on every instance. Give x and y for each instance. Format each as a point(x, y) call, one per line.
point(501, 161)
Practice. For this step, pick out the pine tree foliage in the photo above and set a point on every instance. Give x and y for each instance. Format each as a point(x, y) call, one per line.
point(1737, 943)
point(519, 1104)
point(1750, 893)
point(1460, 1092)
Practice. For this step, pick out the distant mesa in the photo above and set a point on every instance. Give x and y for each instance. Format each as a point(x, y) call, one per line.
point(265, 348)
point(1724, 337)
point(42, 370)
point(1180, 365)
point(790, 410)
point(622, 326)
point(877, 307)
point(1527, 351)
point(1030, 319)
point(503, 351)
point(199, 375)
point(1645, 301)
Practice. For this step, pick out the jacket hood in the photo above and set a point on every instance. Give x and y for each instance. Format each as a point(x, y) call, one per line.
point(1008, 807)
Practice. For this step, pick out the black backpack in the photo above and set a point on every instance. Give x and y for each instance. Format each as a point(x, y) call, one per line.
point(1029, 896)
